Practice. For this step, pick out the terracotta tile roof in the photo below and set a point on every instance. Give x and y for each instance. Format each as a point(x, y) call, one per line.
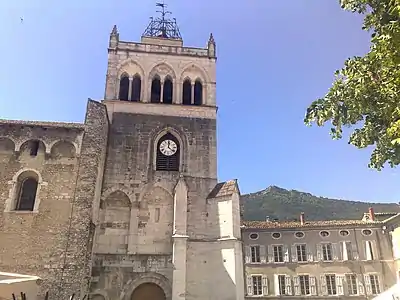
point(43, 124)
point(308, 224)
point(222, 189)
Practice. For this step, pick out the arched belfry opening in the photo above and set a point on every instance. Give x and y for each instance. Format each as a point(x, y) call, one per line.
point(187, 92)
point(148, 291)
point(124, 88)
point(198, 93)
point(168, 91)
point(168, 153)
point(136, 88)
point(155, 96)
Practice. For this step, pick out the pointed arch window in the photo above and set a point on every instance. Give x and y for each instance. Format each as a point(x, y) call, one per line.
point(136, 88)
point(168, 153)
point(187, 92)
point(168, 91)
point(198, 93)
point(27, 194)
point(155, 90)
point(124, 88)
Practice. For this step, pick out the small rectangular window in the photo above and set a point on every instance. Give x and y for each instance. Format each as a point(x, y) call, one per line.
point(278, 253)
point(375, 288)
point(282, 284)
point(327, 252)
point(351, 282)
point(331, 284)
point(301, 252)
point(257, 285)
point(304, 284)
point(255, 254)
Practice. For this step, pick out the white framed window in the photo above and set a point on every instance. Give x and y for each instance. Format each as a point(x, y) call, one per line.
point(327, 252)
point(282, 284)
point(257, 285)
point(278, 253)
point(304, 285)
point(372, 284)
point(346, 250)
point(370, 250)
point(328, 284)
point(351, 284)
point(255, 254)
point(299, 253)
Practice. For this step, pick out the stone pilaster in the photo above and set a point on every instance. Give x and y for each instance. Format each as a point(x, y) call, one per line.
point(179, 239)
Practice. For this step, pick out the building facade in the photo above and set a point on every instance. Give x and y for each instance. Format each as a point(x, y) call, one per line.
point(346, 259)
point(127, 204)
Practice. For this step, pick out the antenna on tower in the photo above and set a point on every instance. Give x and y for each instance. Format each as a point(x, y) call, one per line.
point(162, 26)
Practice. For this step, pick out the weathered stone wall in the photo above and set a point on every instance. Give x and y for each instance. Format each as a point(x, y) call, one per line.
point(34, 242)
point(78, 262)
point(147, 196)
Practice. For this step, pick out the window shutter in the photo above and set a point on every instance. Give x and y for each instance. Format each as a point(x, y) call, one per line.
point(265, 285)
point(270, 254)
point(294, 253)
point(288, 285)
point(343, 249)
point(355, 252)
point(296, 285)
point(368, 250)
point(368, 284)
point(339, 284)
point(335, 251)
point(319, 252)
point(313, 286)
point(263, 254)
point(249, 285)
point(360, 285)
point(285, 253)
point(310, 254)
point(324, 290)
point(276, 285)
point(248, 254)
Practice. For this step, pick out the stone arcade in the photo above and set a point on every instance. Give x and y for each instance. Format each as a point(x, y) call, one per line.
point(127, 205)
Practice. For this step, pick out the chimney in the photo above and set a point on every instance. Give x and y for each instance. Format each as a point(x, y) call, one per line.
point(302, 219)
point(371, 214)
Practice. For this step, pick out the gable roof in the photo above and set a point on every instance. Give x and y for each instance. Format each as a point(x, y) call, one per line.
point(223, 189)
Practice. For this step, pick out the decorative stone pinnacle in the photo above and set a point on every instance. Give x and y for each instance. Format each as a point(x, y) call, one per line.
point(114, 30)
point(211, 39)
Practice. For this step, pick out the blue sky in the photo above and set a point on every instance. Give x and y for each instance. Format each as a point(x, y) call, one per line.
point(274, 59)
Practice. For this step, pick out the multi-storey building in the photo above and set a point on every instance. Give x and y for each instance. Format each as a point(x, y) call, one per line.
point(349, 259)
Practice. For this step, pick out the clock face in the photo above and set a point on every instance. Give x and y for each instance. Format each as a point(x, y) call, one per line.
point(168, 147)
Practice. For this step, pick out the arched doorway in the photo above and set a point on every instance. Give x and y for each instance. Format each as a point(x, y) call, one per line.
point(148, 291)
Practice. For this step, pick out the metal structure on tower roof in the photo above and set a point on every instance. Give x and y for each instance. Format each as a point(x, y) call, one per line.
point(162, 26)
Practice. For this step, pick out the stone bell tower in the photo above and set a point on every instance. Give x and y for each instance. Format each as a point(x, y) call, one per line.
point(165, 228)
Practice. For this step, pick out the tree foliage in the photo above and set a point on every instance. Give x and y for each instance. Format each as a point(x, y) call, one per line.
point(365, 95)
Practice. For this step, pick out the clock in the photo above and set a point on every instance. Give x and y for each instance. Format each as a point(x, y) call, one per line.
point(168, 147)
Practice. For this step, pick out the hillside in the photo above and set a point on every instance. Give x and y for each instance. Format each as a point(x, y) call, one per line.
point(278, 203)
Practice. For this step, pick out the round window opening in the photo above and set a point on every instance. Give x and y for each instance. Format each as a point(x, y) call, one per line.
point(324, 233)
point(253, 236)
point(367, 232)
point(344, 232)
point(299, 234)
point(276, 235)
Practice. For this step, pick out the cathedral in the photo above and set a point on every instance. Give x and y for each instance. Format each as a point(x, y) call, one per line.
point(127, 205)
